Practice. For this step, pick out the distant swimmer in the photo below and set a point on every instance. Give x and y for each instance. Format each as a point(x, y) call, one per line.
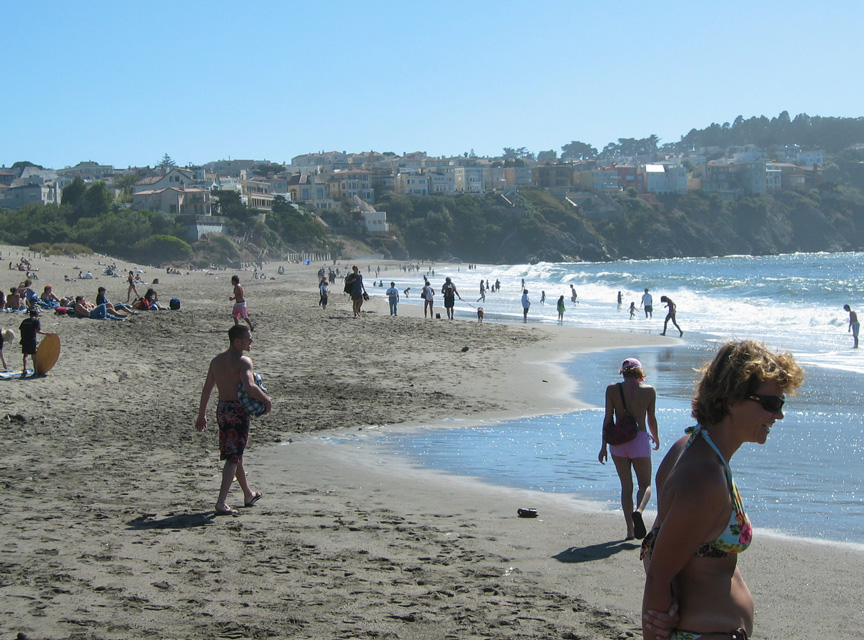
point(542, 297)
point(854, 325)
point(648, 303)
point(561, 309)
point(573, 297)
point(632, 310)
point(670, 315)
point(620, 300)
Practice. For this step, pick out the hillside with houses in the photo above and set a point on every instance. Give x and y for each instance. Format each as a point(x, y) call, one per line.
point(748, 187)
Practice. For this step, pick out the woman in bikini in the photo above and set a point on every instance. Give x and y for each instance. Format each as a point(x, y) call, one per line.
point(638, 399)
point(693, 588)
point(130, 280)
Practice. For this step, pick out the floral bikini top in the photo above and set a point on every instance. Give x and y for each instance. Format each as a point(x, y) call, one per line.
point(736, 536)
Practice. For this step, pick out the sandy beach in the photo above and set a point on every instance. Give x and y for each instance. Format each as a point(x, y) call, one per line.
point(107, 521)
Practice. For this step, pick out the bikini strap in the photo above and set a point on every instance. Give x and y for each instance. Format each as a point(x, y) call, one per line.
point(698, 430)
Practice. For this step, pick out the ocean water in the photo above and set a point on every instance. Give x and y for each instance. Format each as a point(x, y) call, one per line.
point(806, 481)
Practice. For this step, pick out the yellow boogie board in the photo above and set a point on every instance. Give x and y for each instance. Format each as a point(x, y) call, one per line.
point(46, 354)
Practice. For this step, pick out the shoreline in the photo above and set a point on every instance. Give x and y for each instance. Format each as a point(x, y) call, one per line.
point(108, 527)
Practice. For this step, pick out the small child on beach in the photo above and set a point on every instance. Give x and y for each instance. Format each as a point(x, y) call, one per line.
point(632, 310)
point(240, 310)
point(29, 328)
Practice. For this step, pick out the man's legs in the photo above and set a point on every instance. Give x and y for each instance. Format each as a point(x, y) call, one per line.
point(228, 472)
point(240, 474)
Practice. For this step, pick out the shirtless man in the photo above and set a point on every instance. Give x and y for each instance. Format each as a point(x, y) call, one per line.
point(239, 310)
point(854, 325)
point(228, 370)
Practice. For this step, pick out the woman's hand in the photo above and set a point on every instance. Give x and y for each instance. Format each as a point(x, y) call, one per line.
point(603, 455)
point(661, 623)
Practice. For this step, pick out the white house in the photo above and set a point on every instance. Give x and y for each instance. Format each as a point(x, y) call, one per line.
point(177, 178)
point(376, 223)
point(173, 200)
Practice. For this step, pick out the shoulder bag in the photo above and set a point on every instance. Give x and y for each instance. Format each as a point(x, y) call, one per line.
point(625, 429)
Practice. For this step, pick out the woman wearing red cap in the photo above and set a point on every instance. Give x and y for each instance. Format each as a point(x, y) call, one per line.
point(637, 399)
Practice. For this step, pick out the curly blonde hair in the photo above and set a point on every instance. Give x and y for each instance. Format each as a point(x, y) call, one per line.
point(736, 372)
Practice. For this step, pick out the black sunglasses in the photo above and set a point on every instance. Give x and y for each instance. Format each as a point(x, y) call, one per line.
point(771, 404)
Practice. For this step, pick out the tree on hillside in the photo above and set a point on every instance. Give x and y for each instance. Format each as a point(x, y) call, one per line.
point(266, 168)
point(73, 192)
point(578, 151)
point(166, 163)
point(521, 153)
point(125, 184)
point(547, 156)
point(97, 200)
point(627, 147)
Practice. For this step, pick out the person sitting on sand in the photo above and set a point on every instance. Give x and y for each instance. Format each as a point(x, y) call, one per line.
point(13, 300)
point(49, 297)
point(84, 309)
point(3, 335)
point(119, 309)
point(150, 301)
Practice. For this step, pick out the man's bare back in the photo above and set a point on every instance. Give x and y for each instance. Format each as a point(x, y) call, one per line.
point(238, 294)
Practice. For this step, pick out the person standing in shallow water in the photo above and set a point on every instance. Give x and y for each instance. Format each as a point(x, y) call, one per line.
point(854, 325)
point(648, 304)
point(561, 309)
point(526, 304)
point(670, 315)
point(639, 400)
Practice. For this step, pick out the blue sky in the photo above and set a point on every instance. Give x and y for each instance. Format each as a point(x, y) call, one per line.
point(123, 83)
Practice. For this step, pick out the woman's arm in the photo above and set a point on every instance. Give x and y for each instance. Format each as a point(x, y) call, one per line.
point(652, 419)
point(607, 418)
point(696, 502)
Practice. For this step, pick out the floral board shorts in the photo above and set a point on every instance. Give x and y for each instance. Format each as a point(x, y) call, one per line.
point(239, 311)
point(233, 430)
